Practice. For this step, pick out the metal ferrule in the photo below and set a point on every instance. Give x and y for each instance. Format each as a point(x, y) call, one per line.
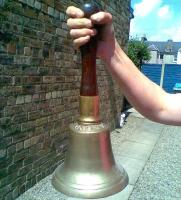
point(89, 109)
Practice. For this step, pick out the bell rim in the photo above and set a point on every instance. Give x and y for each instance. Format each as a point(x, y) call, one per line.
point(100, 192)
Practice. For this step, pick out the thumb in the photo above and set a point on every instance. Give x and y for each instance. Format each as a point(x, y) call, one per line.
point(101, 18)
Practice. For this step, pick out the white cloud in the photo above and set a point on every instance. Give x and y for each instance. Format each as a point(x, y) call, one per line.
point(133, 27)
point(146, 7)
point(164, 12)
point(157, 20)
point(135, 31)
point(173, 33)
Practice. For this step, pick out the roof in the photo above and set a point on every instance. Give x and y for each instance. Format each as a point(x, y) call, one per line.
point(152, 47)
point(168, 46)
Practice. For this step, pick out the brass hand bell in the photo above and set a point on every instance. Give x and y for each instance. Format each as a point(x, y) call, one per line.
point(89, 170)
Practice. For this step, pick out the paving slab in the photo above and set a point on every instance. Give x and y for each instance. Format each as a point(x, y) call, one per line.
point(130, 127)
point(151, 127)
point(133, 150)
point(161, 177)
point(132, 166)
point(144, 137)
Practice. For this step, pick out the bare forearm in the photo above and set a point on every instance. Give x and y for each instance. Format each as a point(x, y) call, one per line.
point(147, 97)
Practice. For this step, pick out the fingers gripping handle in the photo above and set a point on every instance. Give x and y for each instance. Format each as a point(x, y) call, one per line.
point(88, 52)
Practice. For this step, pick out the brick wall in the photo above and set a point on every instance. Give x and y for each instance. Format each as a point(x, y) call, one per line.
point(39, 87)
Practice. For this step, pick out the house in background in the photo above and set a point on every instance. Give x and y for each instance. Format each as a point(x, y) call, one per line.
point(154, 52)
point(168, 52)
point(179, 57)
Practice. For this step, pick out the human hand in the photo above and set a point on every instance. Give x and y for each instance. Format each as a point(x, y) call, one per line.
point(82, 29)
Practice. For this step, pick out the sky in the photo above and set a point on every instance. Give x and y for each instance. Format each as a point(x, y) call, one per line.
point(158, 20)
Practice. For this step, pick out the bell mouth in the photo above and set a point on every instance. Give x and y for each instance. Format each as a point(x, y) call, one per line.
point(89, 170)
point(88, 189)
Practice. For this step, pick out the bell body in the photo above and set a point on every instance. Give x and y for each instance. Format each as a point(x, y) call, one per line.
point(89, 170)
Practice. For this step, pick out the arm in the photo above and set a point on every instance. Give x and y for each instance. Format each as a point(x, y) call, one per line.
point(147, 97)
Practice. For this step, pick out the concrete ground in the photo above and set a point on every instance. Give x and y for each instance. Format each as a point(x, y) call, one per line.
point(150, 153)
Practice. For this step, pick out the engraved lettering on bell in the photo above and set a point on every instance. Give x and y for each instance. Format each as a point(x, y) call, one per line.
point(86, 127)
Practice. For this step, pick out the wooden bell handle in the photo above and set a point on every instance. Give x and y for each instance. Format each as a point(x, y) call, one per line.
point(88, 53)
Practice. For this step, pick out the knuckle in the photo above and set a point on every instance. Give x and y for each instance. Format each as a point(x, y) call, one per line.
point(71, 33)
point(69, 22)
point(110, 16)
point(76, 44)
point(67, 10)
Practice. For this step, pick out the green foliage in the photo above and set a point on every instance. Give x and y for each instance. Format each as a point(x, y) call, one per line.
point(138, 52)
